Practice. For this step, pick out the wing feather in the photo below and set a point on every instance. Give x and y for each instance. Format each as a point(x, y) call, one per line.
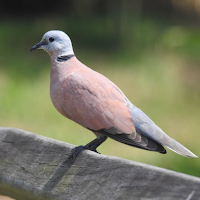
point(99, 105)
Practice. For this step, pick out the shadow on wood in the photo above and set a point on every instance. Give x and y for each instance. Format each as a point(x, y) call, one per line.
point(34, 167)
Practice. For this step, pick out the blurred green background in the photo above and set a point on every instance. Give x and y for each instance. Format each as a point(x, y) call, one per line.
point(149, 48)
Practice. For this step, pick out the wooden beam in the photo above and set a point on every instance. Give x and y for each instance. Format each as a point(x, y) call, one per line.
point(34, 167)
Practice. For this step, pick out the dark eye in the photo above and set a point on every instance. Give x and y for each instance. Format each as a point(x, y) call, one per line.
point(51, 39)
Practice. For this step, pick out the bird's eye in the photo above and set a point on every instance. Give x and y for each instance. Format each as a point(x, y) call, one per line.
point(51, 39)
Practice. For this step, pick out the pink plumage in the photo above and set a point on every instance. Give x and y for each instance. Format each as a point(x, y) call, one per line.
point(96, 103)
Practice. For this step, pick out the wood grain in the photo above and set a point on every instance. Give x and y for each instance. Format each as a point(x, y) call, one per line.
point(34, 167)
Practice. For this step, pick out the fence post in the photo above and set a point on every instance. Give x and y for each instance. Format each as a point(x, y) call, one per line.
point(34, 167)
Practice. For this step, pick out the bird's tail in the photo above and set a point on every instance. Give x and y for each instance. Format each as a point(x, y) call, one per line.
point(179, 148)
point(148, 128)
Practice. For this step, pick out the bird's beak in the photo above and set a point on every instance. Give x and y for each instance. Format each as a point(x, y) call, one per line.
point(37, 46)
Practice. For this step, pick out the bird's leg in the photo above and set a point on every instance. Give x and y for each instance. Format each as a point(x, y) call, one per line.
point(95, 143)
point(90, 146)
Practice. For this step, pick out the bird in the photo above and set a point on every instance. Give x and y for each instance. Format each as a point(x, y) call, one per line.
point(96, 103)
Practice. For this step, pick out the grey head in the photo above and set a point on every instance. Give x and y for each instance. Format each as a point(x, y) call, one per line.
point(56, 43)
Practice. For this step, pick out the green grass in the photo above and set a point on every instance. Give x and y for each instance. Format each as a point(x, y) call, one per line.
point(157, 82)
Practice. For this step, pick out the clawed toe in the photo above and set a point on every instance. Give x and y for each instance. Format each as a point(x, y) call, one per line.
point(92, 146)
point(93, 149)
point(75, 152)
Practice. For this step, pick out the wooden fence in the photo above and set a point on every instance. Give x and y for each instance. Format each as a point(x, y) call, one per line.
point(34, 167)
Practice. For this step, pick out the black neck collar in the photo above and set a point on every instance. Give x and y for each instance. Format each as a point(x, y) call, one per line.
point(64, 58)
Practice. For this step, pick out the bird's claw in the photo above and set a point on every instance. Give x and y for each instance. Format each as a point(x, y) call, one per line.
point(76, 151)
point(93, 149)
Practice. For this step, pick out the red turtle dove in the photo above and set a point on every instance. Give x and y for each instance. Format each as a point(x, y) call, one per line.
point(96, 103)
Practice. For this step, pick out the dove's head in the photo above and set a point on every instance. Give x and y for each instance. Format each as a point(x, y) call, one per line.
point(56, 43)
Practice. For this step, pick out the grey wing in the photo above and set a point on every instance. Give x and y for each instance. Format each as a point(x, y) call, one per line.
point(148, 128)
point(135, 139)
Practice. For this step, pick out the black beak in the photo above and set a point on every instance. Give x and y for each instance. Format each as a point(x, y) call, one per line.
point(38, 45)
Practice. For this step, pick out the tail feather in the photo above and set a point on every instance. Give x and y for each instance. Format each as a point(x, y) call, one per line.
point(180, 149)
point(147, 127)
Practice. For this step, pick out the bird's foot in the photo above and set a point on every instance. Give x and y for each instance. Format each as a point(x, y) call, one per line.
point(76, 151)
point(93, 148)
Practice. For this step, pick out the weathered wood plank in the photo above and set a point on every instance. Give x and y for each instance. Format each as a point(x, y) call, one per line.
point(33, 167)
